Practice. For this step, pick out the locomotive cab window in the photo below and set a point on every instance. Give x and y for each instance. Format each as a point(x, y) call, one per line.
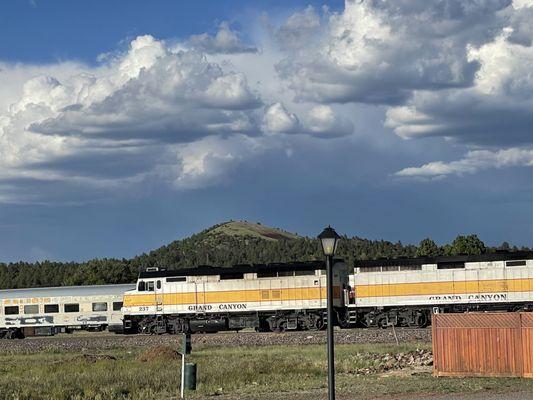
point(159, 284)
point(100, 306)
point(150, 286)
point(51, 308)
point(141, 287)
point(70, 308)
point(11, 310)
point(117, 305)
point(31, 309)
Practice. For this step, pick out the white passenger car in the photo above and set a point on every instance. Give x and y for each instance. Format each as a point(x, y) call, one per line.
point(46, 311)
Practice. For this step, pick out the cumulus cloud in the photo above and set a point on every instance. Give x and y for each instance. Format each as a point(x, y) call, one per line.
point(187, 114)
point(473, 162)
point(298, 30)
point(110, 124)
point(496, 110)
point(208, 161)
point(320, 121)
point(278, 120)
point(118, 123)
point(225, 41)
point(323, 122)
point(380, 52)
point(151, 93)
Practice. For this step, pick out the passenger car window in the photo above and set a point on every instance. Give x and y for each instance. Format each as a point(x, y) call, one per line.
point(72, 308)
point(31, 309)
point(117, 305)
point(11, 310)
point(100, 306)
point(51, 308)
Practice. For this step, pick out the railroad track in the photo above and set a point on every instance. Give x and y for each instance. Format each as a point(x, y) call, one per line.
point(103, 341)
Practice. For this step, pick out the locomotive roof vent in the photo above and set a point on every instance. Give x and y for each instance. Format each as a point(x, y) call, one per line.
point(152, 269)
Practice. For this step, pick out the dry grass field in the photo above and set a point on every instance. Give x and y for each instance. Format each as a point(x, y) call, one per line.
point(267, 372)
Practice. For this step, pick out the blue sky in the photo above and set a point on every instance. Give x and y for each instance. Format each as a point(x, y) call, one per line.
point(124, 128)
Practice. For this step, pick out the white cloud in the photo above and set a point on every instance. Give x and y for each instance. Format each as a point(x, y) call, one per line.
point(496, 110)
point(226, 41)
point(208, 161)
point(278, 120)
point(117, 123)
point(474, 161)
point(379, 51)
point(196, 109)
point(135, 106)
point(323, 122)
point(298, 30)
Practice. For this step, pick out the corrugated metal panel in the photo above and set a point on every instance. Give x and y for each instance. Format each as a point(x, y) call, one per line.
point(483, 344)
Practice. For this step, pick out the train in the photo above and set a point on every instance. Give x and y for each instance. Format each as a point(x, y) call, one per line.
point(47, 311)
point(274, 297)
point(407, 291)
point(403, 292)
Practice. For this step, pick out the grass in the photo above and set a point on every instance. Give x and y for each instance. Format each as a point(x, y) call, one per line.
point(247, 229)
point(239, 372)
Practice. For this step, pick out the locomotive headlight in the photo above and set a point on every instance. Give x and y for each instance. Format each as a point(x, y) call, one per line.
point(329, 240)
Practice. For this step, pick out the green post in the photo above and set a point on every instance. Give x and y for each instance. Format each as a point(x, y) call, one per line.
point(190, 376)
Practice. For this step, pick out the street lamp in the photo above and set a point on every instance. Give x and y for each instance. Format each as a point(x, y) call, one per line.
point(329, 240)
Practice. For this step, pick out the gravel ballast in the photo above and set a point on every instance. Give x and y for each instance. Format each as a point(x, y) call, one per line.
point(101, 341)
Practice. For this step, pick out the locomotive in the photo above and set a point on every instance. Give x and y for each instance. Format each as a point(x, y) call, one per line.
point(406, 291)
point(274, 297)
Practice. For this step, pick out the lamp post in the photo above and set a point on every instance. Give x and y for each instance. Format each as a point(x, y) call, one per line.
point(329, 240)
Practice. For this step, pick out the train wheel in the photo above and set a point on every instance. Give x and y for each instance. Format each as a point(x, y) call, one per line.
point(422, 320)
point(319, 324)
point(382, 323)
point(277, 325)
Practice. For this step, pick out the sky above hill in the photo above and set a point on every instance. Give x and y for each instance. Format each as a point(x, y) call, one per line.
point(124, 126)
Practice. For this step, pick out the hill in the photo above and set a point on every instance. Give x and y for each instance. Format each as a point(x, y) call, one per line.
point(226, 244)
point(246, 229)
point(231, 243)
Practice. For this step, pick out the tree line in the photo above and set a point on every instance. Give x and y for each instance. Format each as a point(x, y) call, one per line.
point(223, 250)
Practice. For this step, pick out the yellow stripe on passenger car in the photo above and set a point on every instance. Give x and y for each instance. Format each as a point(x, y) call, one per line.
point(449, 287)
